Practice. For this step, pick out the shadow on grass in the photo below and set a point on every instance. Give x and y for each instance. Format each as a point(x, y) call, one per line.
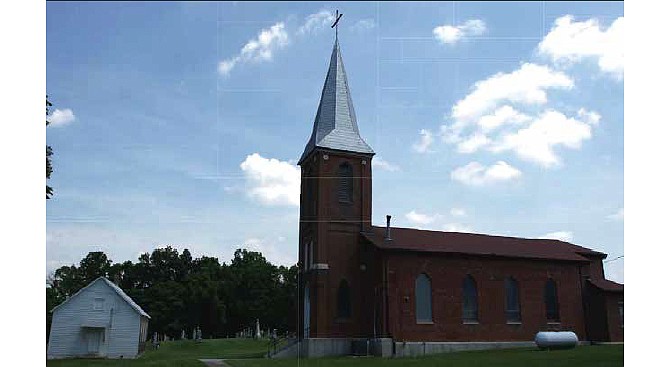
point(586, 356)
point(183, 353)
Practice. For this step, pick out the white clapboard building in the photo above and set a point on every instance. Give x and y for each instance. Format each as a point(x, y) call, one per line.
point(100, 320)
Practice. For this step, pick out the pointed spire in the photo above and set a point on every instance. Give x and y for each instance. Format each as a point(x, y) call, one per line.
point(335, 124)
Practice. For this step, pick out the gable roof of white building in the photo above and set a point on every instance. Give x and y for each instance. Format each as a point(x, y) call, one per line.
point(116, 289)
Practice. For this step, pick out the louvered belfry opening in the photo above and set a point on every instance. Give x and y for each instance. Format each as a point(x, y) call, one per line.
point(345, 192)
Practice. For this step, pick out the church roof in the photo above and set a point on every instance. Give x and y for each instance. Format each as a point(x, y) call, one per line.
point(606, 285)
point(335, 124)
point(408, 239)
point(116, 289)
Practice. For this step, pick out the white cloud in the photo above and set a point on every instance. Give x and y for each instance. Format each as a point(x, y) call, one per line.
point(259, 49)
point(494, 123)
point(269, 40)
point(426, 140)
point(271, 181)
point(560, 235)
point(501, 116)
point(384, 165)
point(316, 21)
point(476, 174)
point(570, 41)
point(590, 117)
point(363, 25)
point(457, 212)
point(473, 143)
point(451, 34)
point(511, 111)
point(527, 85)
point(428, 221)
point(226, 66)
point(59, 117)
point(421, 219)
point(456, 227)
point(536, 142)
point(618, 216)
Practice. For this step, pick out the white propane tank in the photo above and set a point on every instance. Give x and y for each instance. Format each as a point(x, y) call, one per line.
point(556, 339)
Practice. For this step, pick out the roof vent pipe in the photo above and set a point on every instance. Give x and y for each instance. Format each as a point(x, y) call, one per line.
point(387, 237)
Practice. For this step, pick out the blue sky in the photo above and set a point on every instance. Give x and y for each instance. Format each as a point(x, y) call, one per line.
point(181, 123)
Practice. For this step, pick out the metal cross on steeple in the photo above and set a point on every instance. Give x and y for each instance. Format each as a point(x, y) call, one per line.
point(337, 20)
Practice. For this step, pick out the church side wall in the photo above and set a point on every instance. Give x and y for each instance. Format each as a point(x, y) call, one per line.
point(447, 273)
point(613, 320)
point(597, 314)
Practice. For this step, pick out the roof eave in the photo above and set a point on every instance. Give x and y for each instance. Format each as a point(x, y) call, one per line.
point(109, 283)
point(317, 148)
point(404, 249)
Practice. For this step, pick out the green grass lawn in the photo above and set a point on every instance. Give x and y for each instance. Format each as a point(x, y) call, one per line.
point(186, 354)
point(591, 356)
point(179, 353)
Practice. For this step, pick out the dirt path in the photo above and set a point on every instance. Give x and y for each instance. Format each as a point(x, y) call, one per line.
point(214, 362)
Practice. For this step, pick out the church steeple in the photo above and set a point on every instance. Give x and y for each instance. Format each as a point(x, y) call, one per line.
point(335, 124)
point(335, 208)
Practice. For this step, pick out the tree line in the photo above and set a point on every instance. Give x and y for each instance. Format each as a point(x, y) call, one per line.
point(180, 292)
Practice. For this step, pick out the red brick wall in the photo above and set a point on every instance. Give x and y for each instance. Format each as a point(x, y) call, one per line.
point(447, 273)
point(613, 320)
point(335, 230)
point(596, 317)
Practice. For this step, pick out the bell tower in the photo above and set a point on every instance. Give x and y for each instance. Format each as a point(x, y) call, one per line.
point(335, 207)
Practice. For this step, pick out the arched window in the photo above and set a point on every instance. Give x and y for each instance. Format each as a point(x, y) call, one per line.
point(345, 192)
point(306, 311)
point(512, 309)
point(551, 300)
point(470, 307)
point(424, 299)
point(343, 300)
point(309, 255)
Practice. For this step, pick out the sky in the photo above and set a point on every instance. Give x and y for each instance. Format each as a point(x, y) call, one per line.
point(181, 123)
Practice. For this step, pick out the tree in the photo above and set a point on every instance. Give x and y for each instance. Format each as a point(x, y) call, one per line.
point(53, 299)
point(180, 292)
point(67, 281)
point(50, 190)
point(94, 265)
point(254, 283)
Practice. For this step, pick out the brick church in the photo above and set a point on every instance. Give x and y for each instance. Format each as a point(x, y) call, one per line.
point(359, 281)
